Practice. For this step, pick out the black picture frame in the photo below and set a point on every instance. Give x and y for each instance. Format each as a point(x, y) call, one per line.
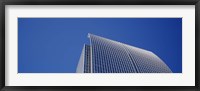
point(3, 3)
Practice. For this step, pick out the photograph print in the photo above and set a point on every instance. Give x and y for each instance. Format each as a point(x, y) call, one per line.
point(99, 45)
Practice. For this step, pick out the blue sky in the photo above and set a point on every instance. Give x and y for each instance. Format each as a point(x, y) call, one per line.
point(54, 45)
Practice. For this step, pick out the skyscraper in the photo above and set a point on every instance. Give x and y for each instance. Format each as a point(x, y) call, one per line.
point(108, 56)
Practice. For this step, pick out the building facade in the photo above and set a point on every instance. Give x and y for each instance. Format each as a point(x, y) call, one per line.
point(108, 56)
